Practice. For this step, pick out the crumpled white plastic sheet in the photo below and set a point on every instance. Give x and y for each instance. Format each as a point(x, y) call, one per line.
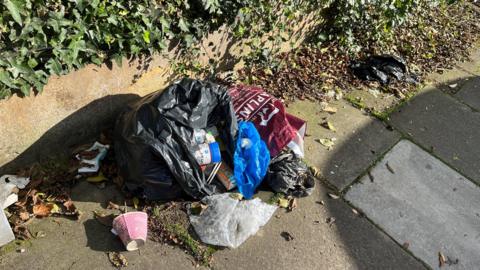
point(229, 222)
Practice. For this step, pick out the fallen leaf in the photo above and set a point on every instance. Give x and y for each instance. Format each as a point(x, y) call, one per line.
point(321, 202)
point(24, 216)
point(287, 236)
point(389, 168)
point(136, 202)
point(55, 209)
point(97, 179)
point(117, 259)
point(42, 210)
point(40, 234)
point(112, 205)
point(406, 245)
point(333, 196)
point(329, 125)
point(329, 143)
point(70, 207)
point(330, 220)
point(283, 203)
point(441, 259)
point(236, 196)
point(330, 110)
point(197, 208)
point(293, 204)
point(315, 171)
point(104, 219)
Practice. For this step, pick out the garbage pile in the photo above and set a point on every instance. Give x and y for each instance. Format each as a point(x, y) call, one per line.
point(204, 141)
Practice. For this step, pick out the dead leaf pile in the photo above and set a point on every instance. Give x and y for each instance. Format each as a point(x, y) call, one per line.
point(117, 259)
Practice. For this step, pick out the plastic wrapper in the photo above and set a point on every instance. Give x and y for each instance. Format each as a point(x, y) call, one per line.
point(154, 142)
point(290, 175)
point(251, 159)
point(276, 127)
point(229, 222)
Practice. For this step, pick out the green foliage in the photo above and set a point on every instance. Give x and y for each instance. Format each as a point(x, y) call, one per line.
point(40, 38)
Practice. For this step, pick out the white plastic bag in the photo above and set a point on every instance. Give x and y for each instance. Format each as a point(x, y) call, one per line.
point(229, 222)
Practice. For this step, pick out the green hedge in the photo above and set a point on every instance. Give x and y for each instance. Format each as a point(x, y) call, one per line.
point(39, 38)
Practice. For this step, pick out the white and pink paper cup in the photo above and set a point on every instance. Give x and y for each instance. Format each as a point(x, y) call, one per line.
point(131, 227)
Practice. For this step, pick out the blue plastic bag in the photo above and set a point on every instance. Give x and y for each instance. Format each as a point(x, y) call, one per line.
point(250, 160)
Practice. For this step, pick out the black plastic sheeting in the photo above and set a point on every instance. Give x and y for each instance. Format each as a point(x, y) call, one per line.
point(290, 175)
point(381, 68)
point(154, 139)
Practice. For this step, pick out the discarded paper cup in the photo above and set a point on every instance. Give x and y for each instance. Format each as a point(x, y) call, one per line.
point(131, 227)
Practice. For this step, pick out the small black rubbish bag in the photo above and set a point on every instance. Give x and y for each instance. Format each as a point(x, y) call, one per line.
point(154, 142)
point(290, 175)
point(381, 68)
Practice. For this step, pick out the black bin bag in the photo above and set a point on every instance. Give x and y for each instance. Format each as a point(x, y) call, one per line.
point(154, 139)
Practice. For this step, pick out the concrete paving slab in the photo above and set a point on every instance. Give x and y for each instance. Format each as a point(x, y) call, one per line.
point(450, 129)
point(470, 93)
point(449, 81)
point(424, 203)
point(360, 140)
point(350, 242)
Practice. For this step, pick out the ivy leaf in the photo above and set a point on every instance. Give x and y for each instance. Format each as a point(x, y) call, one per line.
point(54, 66)
point(183, 25)
point(146, 37)
point(25, 88)
point(15, 7)
point(6, 79)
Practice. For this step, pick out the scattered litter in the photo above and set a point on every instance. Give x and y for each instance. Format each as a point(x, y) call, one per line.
point(333, 196)
point(441, 259)
point(117, 259)
point(8, 185)
point(330, 220)
point(251, 159)
point(290, 175)
point(229, 222)
point(92, 164)
point(389, 168)
point(276, 127)
point(131, 227)
point(382, 68)
point(287, 236)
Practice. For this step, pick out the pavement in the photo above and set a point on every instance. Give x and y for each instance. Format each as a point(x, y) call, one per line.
point(408, 187)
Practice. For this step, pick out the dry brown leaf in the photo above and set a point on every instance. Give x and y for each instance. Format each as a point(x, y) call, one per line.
point(293, 204)
point(315, 171)
point(331, 110)
point(441, 259)
point(287, 236)
point(24, 216)
point(406, 245)
point(333, 196)
point(42, 210)
point(117, 259)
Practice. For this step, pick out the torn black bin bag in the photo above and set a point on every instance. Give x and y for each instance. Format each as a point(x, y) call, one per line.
point(380, 68)
point(290, 175)
point(154, 139)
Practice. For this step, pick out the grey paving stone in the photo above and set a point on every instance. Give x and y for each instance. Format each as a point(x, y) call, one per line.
point(470, 93)
point(424, 203)
point(442, 124)
point(350, 242)
point(360, 140)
